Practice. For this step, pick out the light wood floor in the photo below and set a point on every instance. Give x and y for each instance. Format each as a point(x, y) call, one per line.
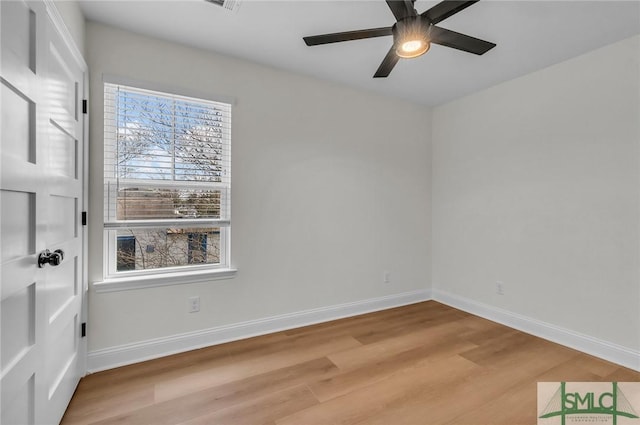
point(424, 364)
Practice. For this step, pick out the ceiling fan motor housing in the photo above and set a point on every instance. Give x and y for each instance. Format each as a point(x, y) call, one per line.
point(411, 36)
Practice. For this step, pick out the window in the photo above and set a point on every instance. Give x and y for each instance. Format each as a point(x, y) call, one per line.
point(126, 258)
point(167, 183)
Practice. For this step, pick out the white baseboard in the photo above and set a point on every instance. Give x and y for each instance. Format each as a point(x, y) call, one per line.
point(596, 347)
point(111, 357)
point(122, 355)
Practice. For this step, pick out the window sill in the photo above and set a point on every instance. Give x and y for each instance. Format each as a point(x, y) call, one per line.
point(164, 279)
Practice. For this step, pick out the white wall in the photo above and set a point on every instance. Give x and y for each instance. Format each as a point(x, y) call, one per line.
point(535, 184)
point(330, 187)
point(73, 19)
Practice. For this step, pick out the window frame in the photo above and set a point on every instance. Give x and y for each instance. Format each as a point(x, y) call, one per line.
point(114, 280)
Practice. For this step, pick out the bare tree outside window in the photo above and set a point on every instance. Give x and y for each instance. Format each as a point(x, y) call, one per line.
point(160, 248)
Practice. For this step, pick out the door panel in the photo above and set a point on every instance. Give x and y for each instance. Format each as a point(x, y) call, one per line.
point(63, 300)
point(62, 218)
point(64, 355)
point(64, 89)
point(21, 352)
point(20, 409)
point(18, 215)
point(19, 41)
point(18, 117)
point(63, 159)
point(60, 292)
point(19, 44)
point(18, 325)
point(65, 188)
point(41, 193)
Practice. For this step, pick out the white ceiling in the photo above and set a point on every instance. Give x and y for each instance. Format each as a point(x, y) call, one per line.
point(530, 35)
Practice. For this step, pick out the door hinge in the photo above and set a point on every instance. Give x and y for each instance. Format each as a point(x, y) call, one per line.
point(84, 106)
point(84, 218)
point(83, 330)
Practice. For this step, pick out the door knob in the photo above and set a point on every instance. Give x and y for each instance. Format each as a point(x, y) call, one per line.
point(47, 257)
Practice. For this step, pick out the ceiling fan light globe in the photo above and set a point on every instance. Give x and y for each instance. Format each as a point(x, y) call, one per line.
point(412, 48)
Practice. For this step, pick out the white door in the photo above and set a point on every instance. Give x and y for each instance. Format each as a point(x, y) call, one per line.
point(41, 186)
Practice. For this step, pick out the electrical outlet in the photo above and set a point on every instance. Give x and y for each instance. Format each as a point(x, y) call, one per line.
point(499, 288)
point(386, 276)
point(194, 304)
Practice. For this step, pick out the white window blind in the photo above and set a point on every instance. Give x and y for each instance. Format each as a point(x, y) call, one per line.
point(167, 180)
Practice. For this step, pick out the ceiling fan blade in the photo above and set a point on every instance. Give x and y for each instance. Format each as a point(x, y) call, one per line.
point(336, 37)
point(401, 8)
point(463, 42)
point(443, 10)
point(387, 64)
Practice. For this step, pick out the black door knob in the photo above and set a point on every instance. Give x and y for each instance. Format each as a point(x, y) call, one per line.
point(53, 258)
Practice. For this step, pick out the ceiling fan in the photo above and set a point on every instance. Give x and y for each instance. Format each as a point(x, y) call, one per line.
point(413, 33)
